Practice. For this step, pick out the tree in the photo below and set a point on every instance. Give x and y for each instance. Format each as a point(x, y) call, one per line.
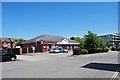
point(19, 42)
point(72, 38)
point(78, 39)
point(101, 43)
point(92, 41)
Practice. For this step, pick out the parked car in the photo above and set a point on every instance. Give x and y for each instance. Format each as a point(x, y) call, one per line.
point(113, 49)
point(118, 48)
point(7, 56)
point(51, 50)
point(54, 50)
point(63, 50)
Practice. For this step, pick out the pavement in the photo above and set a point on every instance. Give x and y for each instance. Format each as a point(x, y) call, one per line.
point(62, 65)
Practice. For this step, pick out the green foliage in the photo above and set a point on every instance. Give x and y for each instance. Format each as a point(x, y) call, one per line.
point(72, 38)
point(84, 51)
point(78, 39)
point(19, 42)
point(98, 50)
point(92, 41)
point(101, 42)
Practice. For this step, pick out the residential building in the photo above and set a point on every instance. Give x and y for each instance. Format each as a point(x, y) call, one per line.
point(44, 42)
point(112, 39)
point(8, 42)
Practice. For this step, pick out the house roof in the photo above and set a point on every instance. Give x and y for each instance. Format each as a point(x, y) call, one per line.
point(9, 39)
point(48, 38)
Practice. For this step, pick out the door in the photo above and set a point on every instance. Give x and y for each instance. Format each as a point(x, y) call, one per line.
point(5, 56)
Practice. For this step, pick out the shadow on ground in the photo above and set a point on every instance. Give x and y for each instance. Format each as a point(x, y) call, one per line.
point(103, 66)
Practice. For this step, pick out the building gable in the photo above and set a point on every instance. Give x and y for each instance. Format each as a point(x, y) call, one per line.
point(64, 41)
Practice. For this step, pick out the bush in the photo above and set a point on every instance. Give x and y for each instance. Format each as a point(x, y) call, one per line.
point(98, 50)
point(84, 51)
point(92, 51)
point(77, 51)
point(105, 49)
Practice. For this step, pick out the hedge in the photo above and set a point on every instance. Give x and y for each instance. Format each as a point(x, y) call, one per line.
point(78, 51)
point(84, 51)
point(98, 50)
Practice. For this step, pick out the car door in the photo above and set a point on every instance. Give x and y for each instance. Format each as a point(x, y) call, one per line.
point(5, 56)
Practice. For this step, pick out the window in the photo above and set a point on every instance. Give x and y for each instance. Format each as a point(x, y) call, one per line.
point(4, 52)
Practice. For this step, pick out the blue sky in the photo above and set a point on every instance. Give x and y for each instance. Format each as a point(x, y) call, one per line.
point(28, 20)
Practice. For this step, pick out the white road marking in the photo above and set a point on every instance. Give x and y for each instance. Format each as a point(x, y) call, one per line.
point(115, 74)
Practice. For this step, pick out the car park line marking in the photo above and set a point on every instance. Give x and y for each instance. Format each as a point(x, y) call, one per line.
point(115, 74)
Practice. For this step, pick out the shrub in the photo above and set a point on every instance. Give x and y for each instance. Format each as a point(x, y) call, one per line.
point(77, 51)
point(91, 51)
point(84, 51)
point(105, 50)
point(98, 50)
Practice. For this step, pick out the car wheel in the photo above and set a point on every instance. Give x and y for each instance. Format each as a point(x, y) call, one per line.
point(13, 59)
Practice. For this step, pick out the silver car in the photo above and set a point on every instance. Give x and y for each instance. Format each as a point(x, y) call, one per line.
point(63, 50)
point(51, 50)
point(54, 50)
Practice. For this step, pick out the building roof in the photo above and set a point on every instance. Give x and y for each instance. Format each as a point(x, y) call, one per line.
point(48, 38)
point(9, 39)
point(107, 34)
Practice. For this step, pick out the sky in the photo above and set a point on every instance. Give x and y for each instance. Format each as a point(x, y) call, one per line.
point(30, 19)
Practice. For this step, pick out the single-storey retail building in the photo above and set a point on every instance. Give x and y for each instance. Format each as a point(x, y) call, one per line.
point(44, 42)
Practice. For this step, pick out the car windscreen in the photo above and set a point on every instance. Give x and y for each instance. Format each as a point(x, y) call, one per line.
point(55, 49)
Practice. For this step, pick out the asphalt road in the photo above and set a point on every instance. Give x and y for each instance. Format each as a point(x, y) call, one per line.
point(101, 65)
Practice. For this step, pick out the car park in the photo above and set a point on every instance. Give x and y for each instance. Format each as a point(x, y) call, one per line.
point(6, 55)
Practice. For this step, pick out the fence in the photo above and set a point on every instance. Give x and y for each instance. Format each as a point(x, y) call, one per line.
point(14, 50)
point(23, 50)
